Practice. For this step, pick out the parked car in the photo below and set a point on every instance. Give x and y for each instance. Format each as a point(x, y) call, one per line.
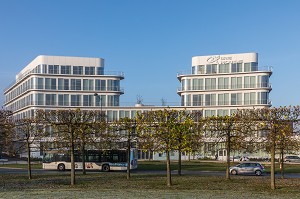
point(292, 158)
point(247, 168)
point(235, 158)
point(244, 158)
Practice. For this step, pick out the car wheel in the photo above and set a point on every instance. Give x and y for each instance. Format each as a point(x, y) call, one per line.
point(105, 168)
point(234, 172)
point(258, 172)
point(61, 167)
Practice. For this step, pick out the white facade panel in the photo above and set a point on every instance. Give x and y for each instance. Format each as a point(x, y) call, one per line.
point(223, 59)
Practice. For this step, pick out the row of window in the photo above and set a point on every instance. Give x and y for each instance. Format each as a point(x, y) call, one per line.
point(65, 100)
point(64, 70)
point(68, 70)
point(250, 98)
point(225, 68)
point(260, 81)
point(111, 115)
point(64, 84)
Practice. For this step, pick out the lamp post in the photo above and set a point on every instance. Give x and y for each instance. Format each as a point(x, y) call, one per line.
point(100, 99)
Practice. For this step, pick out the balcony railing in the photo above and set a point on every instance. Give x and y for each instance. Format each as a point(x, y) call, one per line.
point(225, 87)
point(257, 69)
point(32, 71)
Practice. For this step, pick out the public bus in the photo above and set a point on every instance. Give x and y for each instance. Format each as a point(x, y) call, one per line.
point(102, 160)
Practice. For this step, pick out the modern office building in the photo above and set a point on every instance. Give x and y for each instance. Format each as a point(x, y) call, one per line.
point(58, 82)
point(223, 83)
point(216, 85)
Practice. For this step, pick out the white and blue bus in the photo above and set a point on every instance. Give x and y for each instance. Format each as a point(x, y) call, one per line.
point(102, 160)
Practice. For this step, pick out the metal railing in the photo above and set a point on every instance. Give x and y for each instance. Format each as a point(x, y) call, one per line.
point(256, 69)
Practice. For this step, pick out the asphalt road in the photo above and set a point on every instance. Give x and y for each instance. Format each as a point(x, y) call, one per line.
point(184, 172)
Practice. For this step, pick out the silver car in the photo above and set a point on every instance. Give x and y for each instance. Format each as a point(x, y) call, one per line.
point(292, 158)
point(247, 168)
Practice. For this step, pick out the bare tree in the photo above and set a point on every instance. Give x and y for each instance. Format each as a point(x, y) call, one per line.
point(167, 127)
point(28, 131)
point(66, 124)
point(6, 131)
point(128, 126)
point(278, 124)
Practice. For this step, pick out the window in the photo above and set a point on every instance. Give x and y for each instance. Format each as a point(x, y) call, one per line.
point(77, 70)
point(211, 68)
point(222, 112)
point(182, 100)
point(200, 69)
point(210, 99)
point(188, 84)
point(188, 100)
point(263, 97)
point(223, 99)
point(40, 83)
point(254, 66)
point(197, 84)
point(89, 70)
point(63, 100)
point(236, 98)
point(223, 83)
point(63, 84)
point(263, 81)
point(100, 100)
point(209, 113)
point(100, 71)
point(113, 100)
point(75, 84)
point(50, 83)
point(224, 68)
point(252, 81)
point(100, 85)
point(50, 99)
point(247, 67)
point(236, 82)
point(75, 100)
point(113, 85)
point(88, 84)
point(40, 99)
point(210, 83)
point(53, 69)
point(88, 100)
point(197, 100)
point(65, 69)
point(236, 67)
point(193, 69)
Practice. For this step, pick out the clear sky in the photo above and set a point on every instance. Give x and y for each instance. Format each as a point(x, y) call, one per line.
point(151, 40)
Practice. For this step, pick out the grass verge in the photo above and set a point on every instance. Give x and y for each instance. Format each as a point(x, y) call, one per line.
point(115, 185)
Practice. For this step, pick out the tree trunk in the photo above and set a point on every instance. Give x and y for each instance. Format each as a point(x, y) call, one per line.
point(128, 156)
point(149, 155)
point(72, 159)
point(29, 161)
point(83, 158)
point(281, 164)
point(169, 178)
point(273, 165)
point(179, 162)
point(228, 147)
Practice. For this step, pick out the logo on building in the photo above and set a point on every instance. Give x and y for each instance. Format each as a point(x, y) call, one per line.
point(222, 60)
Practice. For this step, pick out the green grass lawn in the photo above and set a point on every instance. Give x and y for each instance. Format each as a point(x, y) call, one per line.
point(208, 166)
point(115, 185)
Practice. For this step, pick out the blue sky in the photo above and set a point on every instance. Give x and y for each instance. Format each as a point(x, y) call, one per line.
point(151, 40)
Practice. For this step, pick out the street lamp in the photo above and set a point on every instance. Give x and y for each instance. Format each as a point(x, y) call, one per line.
point(100, 100)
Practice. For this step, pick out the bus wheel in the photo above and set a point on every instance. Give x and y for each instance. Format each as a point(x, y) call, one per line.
point(105, 167)
point(61, 167)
